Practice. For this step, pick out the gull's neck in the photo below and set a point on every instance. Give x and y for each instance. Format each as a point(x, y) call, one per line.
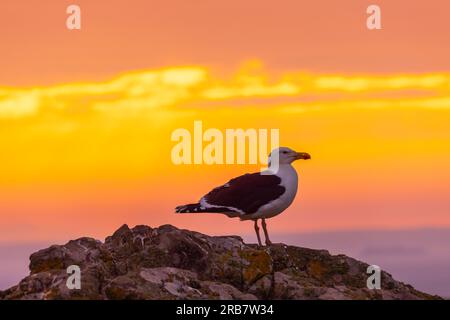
point(286, 168)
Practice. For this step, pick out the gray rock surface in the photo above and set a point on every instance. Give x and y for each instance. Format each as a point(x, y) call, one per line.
point(169, 263)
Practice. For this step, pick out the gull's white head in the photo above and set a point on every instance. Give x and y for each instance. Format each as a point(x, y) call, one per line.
point(286, 156)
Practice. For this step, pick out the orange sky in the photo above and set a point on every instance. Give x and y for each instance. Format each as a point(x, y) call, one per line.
point(317, 36)
point(86, 116)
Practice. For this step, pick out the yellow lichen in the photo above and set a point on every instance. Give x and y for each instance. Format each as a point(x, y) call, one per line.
point(259, 264)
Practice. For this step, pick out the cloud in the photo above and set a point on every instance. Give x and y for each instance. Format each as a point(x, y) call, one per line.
point(186, 87)
point(18, 103)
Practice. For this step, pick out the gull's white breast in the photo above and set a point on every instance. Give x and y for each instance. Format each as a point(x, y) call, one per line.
point(289, 180)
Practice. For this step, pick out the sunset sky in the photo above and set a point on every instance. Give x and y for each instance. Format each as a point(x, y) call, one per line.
point(86, 116)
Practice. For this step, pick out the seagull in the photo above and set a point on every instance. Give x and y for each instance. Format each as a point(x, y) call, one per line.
point(255, 196)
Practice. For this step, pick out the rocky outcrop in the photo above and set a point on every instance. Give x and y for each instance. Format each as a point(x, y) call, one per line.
point(169, 263)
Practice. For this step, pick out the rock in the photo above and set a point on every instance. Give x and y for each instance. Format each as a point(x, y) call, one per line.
point(169, 263)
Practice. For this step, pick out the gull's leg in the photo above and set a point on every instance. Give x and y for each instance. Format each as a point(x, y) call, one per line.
point(257, 232)
point(266, 234)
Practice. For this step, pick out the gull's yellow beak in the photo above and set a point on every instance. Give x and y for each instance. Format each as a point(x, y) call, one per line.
point(302, 155)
